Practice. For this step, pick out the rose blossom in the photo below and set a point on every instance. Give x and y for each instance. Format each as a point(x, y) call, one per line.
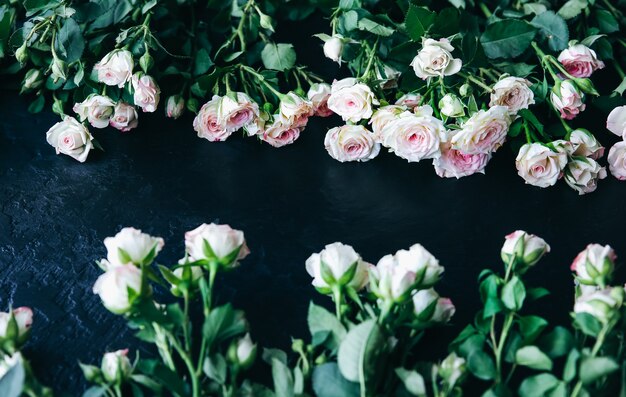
point(23, 319)
point(295, 110)
point(71, 138)
point(116, 366)
point(125, 117)
point(351, 100)
point(116, 68)
point(97, 109)
point(414, 138)
point(382, 116)
point(318, 95)
point(563, 146)
point(234, 114)
point(333, 48)
point(539, 165)
point(223, 241)
point(568, 99)
point(174, 106)
point(390, 281)
point(455, 164)
point(435, 59)
point(147, 92)
point(424, 303)
point(524, 247)
point(206, 122)
point(452, 369)
point(280, 134)
point(594, 265)
point(512, 92)
point(582, 174)
point(580, 60)
point(343, 267)
point(617, 160)
point(409, 100)
point(421, 262)
point(113, 287)
point(451, 106)
point(585, 144)
point(444, 310)
point(390, 78)
point(242, 352)
point(616, 122)
point(484, 132)
point(351, 143)
point(603, 305)
point(130, 245)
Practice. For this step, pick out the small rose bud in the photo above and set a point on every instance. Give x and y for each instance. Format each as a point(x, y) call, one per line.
point(219, 243)
point(594, 265)
point(146, 62)
point(119, 287)
point(242, 352)
point(604, 305)
point(16, 324)
point(131, 246)
point(524, 249)
point(32, 80)
point(21, 54)
point(337, 266)
point(451, 106)
point(586, 86)
point(466, 90)
point(59, 70)
point(452, 370)
point(424, 304)
point(116, 366)
point(174, 106)
point(444, 310)
point(333, 48)
point(390, 281)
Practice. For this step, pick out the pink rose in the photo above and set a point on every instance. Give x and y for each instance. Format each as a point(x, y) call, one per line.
point(236, 111)
point(455, 164)
point(580, 61)
point(382, 116)
point(318, 95)
point(280, 134)
point(568, 99)
point(484, 132)
point(125, 117)
point(116, 68)
point(409, 100)
point(617, 160)
point(616, 122)
point(207, 124)
point(147, 92)
point(351, 143)
point(414, 138)
point(585, 144)
point(295, 110)
point(351, 100)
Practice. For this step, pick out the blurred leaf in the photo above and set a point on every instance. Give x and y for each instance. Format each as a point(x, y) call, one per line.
point(359, 351)
point(328, 382)
point(507, 38)
point(532, 357)
point(553, 29)
point(538, 385)
point(418, 21)
point(12, 383)
point(594, 368)
point(279, 57)
point(481, 365)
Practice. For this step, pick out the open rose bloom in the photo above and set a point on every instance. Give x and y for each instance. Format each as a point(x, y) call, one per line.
point(351, 143)
point(580, 60)
point(318, 94)
point(539, 165)
point(116, 68)
point(512, 92)
point(435, 59)
point(71, 138)
point(207, 125)
point(413, 137)
point(351, 100)
point(280, 134)
point(295, 110)
point(617, 160)
point(484, 132)
point(455, 164)
point(97, 109)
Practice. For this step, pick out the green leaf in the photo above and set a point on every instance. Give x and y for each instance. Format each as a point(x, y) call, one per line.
point(606, 21)
point(418, 21)
point(202, 62)
point(594, 368)
point(328, 382)
point(513, 294)
point(538, 385)
point(321, 320)
point(278, 56)
point(215, 368)
point(413, 381)
point(553, 29)
point(481, 365)
point(12, 383)
point(531, 327)
point(70, 40)
point(588, 324)
point(358, 352)
point(223, 323)
point(572, 8)
point(37, 105)
point(532, 357)
point(507, 38)
point(95, 391)
point(558, 342)
point(283, 380)
point(569, 370)
point(374, 27)
point(537, 292)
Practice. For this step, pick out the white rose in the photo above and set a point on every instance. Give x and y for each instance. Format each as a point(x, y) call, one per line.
point(382, 116)
point(582, 174)
point(243, 352)
point(351, 100)
point(585, 144)
point(421, 262)
point(414, 138)
point(452, 369)
point(333, 48)
point(116, 366)
point(451, 106)
point(337, 265)
point(594, 265)
point(455, 164)
point(390, 281)
point(616, 122)
point(71, 138)
point(617, 160)
point(147, 92)
point(512, 92)
point(97, 109)
point(318, 94)
point(603, 305)
point(424, 303)
point(295, 110)
point(216, 242)
point(539, 165)
point(435, 59)
point(130, 245)
point(207, 124)
point(387, 77)
point(116, 68)
point(351, 143)
point(525, 248)
point(484, 132)
point(409, 100)
point(444, 310)
point(113, 287)
point(23, 319)
point(280, 134)
point(125, 117)
point(236, 111)
point(174, 106)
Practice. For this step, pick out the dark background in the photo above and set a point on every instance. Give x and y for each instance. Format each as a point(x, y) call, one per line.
point(290, 202)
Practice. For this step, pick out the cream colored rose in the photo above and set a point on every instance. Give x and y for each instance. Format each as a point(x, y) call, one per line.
point(409, 100)
point(114, 285)
point(333, 48)
point(539, 165)
point(617, 160)
point(450, 105)
point(147, 92)
point(116, 366)
point(279, 134)
point(455, 164)
point(71, 138)
point(568, 100)
point(116, 68)
point(585, 144)
point(97, 109)
point(124, 117)
point(351, 143)
point(236, 111)
point(435, 59)
point(523, 247)
point(387, 77)
point(484, 132)
point(616, 122)
point(382, 116)
point(580, 60)
point(390, 281)
point(421, 262)
point(225, 244)
point(351, 100)
point(414, 138)
point(131, 246)
point(594, 265)
point(582, 174)
point(207, 124)
point(318, 94)
point(295, 110)
point(512, 92)
point(343, 266)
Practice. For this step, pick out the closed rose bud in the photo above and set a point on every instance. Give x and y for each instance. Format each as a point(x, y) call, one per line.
point(114, 286)
point(97, 109)
point(242, 352)
point(189, 275)
point(421, 262)
point(21, 54)
point(604, 305)
point(337, 266)
point(409, 100)
point(146, 92)
point(32, 80)
point(219, 243)
point(466, 90)
point(116, 366)
point(333, 48)
point(116, 68)
point(586, 86)
point(451, 106)
point(452, 369)
point(567, 98)
point(125, 117)
point(16, 324)
point(524, 249)
point(146, 62)
point(59, 70)
point(594, 265)
point(391, 282)
point(131, 246)
point(444, 310)
point(174, 106)
point(424, 304)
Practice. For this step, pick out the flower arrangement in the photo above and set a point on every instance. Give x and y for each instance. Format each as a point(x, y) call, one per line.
point(367, 346)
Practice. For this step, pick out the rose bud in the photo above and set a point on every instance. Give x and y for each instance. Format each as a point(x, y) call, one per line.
point(131, 246)
point(617, 160)
point(421, 262)
point(568, 99)
point(337, 266)
point(147, 92)
point(216, 243)
point(333, 48)
point(604, 305)
point(582, 174)
point(585, 144)
point(580, 61)
point(119, 287)
point(187, 277)
point(116, 366)
point(616, 122)
point(21, 54)
point(452, 369)
point(451, 106)
point(116, 68)
point(71, 138)
point(424, 304)
point(59, 70)
point(512, 92)
point(351, 143)
point(444, 310)
point(32, 80)
point(586, 86)
point(388, 77)
point(97, 109)
point(539, 165)
point(391, 282)
point(524, 249)
point(16, 324)
point(594, 265)
point(174, 106)
point(125, 117)
point(146, 62)
point(435, 59)
point(242, 352)
point(409, 100)
point(351, 100)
